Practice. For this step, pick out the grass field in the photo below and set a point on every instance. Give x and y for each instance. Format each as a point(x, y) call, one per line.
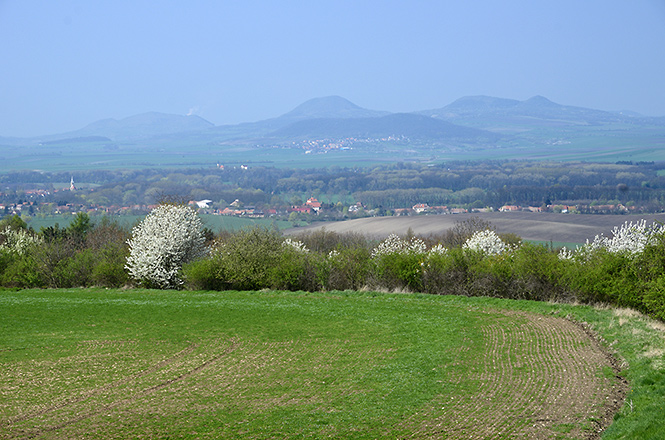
point(215, 222)
point(164, 364)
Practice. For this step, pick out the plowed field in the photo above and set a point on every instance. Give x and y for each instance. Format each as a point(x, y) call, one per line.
point(538, 378)
point(560, 228)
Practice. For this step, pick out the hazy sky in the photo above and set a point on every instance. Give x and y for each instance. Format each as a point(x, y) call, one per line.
point(64, 64)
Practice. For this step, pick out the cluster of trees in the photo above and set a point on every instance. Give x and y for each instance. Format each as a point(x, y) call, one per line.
point(81, 254)
point(460, 184)
point(169, 249)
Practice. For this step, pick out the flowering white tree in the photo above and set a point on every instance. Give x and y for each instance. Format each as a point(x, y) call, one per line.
point(18, 241)
point(298, 246)
point(486, 242)
point(170, 236)
point(629, 239)
point(395, 245)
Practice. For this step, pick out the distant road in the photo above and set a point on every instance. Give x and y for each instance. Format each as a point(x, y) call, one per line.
point(567, 228)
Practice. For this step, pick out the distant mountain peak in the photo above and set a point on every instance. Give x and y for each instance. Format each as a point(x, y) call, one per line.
point(330, 107)
point(540, 101)
point(333, 102)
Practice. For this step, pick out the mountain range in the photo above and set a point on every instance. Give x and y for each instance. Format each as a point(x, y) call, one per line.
point(533, 111)
point(329, 117)
point(503, 128)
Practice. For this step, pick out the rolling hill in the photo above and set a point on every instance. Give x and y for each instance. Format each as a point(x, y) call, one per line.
point(407, 125)
point(145, 125)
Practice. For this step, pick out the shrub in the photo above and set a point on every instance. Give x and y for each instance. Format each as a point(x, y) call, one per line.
point(18, 241)
point(14, 222)
point(17, 265)
point(462, 231)
point(346, 268)
point(654, 298)
point(109, 266)
point(324, 241)
point(75, 271)
point(108, 240)
point(170, 236)
point(446, 273)
point(107, 232)
point(295, 268)
point(21, 272)
point(399, 263)
point(245, 260)
point(604, 277)
point(50, 258)
point(530, 272)
point(204, 274)
point(628, 239)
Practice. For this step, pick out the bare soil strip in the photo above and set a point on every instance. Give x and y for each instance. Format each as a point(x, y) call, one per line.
point(568, 228)
point(543, 377)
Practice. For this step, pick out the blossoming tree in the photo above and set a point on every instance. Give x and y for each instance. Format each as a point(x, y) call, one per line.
point(486, 242)
point(170, 236)
point(629, 239)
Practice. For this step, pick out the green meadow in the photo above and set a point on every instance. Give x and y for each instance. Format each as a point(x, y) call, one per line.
point(215, 222)
point(99, 363)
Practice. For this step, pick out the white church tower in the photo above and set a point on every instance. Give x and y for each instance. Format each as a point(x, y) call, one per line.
point(71, 185)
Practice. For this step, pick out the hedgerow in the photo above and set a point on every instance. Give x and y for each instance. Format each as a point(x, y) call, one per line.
point(625, 269)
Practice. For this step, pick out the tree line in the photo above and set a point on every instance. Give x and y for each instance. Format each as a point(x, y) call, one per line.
point(461, 184)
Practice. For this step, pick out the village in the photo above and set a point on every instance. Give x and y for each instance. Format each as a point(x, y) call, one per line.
point(310, 210)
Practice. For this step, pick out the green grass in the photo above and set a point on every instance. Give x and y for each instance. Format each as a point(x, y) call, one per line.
point(228, 223)
point(555, 244)
point(215, 222)
point(125, 364)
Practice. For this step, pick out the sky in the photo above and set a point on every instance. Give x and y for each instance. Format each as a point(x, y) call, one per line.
point(68, 63)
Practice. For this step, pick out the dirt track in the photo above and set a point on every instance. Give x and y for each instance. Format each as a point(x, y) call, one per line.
point(567, 228)
point(544, 377)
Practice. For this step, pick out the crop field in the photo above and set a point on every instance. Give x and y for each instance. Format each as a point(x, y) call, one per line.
point(152, 364)
point(215, 222)
point(564, 229)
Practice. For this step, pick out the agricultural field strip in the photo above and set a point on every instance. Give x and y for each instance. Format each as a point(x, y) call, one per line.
point(536, 376)
point(543, 227)
point(73, 410)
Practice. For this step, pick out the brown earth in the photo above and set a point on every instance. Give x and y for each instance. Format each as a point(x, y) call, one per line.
point(543, 377)
point(566, 228)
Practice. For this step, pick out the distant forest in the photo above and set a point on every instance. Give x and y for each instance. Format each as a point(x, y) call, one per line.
point(638, 187)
